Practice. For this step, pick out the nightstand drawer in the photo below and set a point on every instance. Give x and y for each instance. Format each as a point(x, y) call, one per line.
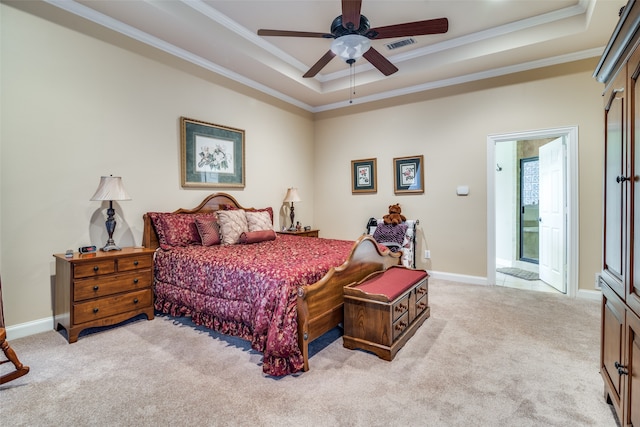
point(102, 286)
point(105, 307)
point(94, 268)
point(134, 263)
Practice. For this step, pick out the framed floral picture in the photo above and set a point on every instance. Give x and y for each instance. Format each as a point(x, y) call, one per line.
point(409, 175)
point(363, 176)
point(211, 155)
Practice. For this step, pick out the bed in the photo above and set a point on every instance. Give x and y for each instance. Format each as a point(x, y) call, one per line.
point(279, 293)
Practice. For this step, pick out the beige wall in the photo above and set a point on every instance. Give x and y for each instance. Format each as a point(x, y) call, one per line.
point(450, 129)
point(75, 108)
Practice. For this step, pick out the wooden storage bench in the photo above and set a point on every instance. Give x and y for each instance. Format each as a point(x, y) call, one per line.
point(384, 310)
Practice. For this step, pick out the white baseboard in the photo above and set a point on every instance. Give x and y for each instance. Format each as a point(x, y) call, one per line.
point(589, 294)
point(29, 328)
point(462, 278)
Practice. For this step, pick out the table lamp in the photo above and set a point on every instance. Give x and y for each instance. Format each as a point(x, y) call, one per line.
point(110, 188)
point(291, 197)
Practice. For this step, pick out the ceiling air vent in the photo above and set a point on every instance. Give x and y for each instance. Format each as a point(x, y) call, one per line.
point(400, 43)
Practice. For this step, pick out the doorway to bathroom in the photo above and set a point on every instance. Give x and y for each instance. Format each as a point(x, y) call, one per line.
point(531, 210)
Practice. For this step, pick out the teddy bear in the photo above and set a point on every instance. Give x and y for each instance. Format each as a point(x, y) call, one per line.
point(395, 216)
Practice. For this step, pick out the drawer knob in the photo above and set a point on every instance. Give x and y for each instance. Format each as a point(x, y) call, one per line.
point(96, 287)
point(96, 309)
point(421, 291)
point(400, 308)
point(135, 262)
point(135, 300)
point(135, 280)
point(400, 326)
point(96, 268)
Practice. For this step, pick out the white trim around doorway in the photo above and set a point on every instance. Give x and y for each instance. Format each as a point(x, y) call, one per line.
point(571, 135)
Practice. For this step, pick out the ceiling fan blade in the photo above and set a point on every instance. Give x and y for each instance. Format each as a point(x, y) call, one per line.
point(351, 13)
point(285, 33)
point(418, 28)
point(380, 62)
point(315, 69)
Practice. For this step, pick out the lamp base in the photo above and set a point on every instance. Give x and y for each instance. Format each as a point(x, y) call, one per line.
point(111, 246)
point(111, 227)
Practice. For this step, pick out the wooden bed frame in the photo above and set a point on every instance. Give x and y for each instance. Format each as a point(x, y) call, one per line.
point(320, 305)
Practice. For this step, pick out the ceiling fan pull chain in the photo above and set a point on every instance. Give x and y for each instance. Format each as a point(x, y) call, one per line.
point(352, 82)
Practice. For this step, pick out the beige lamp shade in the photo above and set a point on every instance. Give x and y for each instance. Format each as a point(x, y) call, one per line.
point(292, 196)
point(111, 188)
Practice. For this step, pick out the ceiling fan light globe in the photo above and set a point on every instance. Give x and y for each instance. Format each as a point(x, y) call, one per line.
point(350, 47)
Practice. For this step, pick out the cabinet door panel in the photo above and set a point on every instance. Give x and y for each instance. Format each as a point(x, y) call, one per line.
point(615, 135)
point(633, 369)
point(632, 182)
point(613, 312)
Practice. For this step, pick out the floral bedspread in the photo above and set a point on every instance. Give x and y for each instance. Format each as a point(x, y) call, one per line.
point(249, 291)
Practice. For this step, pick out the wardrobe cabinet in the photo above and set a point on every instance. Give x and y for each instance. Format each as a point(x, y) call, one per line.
point(619, 70)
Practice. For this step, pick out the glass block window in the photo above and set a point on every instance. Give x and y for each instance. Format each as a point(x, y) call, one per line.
point(530, 181)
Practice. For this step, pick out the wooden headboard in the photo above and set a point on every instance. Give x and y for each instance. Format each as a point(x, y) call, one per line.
point(212, 203)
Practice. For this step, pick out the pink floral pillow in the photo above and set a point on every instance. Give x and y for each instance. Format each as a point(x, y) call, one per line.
point(177, 229)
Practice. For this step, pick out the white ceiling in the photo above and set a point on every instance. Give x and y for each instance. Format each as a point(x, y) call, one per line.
point(486, 38)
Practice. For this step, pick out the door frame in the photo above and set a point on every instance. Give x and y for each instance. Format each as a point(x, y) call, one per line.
point(571, 245)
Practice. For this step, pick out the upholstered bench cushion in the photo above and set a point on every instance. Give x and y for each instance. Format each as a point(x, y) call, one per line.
point(393, 282)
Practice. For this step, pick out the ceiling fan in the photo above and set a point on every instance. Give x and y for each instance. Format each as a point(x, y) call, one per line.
point(352, 36)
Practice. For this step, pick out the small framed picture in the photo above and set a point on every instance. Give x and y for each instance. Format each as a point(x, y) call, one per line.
point(409, 175)
point(363, 176)
point(212, 155)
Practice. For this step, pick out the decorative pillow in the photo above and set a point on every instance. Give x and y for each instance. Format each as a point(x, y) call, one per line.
point(259, 221)
point(232, 224)
point(177, 229)
point(268, 210)
point(257, 236)
point(208, 230)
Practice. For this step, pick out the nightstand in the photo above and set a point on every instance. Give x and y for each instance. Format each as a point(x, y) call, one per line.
point(303, 233)
point(102, 289)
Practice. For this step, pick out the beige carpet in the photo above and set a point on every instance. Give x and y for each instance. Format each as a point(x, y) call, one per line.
point(488, 356)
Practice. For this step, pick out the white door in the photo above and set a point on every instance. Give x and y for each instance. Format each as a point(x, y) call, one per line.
point(552, 214)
